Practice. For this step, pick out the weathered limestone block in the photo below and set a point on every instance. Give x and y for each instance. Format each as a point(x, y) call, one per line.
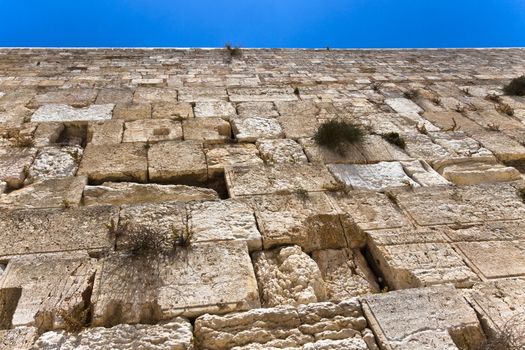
point(118, 162)
point(202, 94)
point(474, 173)
point(250, 129)
point(154, 94)
point(52, 285)
point(14, 115)
point(263, 109)
point(295, 127)
point(281, 151)
point(449, 120)
point(105, 133)
point(172, 110)
point(420, 146)
point(418, 264)
point(430, 206)
point(209, 130)
point(287, 276)
point(20, 338)
point(55, 162)
point(28, 231)
point(216, 221)
point(118, 193)
point(423, 174)
point(114, 96)
point(423, 319)
point(14, 165)
point(47, 133)
point(130, 112)
point(183, 162)
point(261, 94)
point(280, 178)
point(345, 273)
point(490, 117)
point(378, 177)
point(66, 113)
point(75, 97)
point(52, 193)
point(505, 148)
point(298, 108)
point(489, 231)
point(320, 326)
point(383, 123)
point(204, 278)
point(403, 105)
point(152, 130)
point(173, 335)
point(495, 259)
point(308, 220)
point(219, 109)
point(220, 156)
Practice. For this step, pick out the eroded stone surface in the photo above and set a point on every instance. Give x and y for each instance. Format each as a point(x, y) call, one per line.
point(281, 151)
point(209, 130)
point(219, 109)
point(152, 130)
point(250, 129)
point(53, 162)
point(14, 165)
point(20, 338)
point(63, 113)
point(183, 161)
point(219, 157)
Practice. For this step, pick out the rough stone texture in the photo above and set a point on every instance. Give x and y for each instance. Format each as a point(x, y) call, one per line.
point(117, 193)
point(119, 162)
point(220, 275)
point(172, 110)
point(61, 192)
point(65, 113)
point(154, 94)
point(477, 173)
point(53, 162)
point(76, 97)
point(266, 109)
point(345, 272)
point(209, 130)
point(281, 151)
point(218, 157)
point(51, 284)
point(49, 230)
point(219, 109)
point(152, 130)
point(129, 112)
point(183, 162)
point(308, 220)
point(14, 165)
point(251, 129)
point(216, 221)
point(281, 178)
point(429, 318)
point(106, 133)
point(315, 326)
point(287, 276)
point(173, 335)
point(20, 338)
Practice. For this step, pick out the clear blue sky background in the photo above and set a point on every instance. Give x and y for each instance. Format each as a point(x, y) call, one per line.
point(263, 23)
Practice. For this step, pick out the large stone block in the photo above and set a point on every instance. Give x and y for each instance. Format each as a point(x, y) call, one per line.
point(54, 286)
point(219, 109)
point(154, 94)
point(262, 109)
point(29, 231)
point(66, 113)
point(119, 162)
point(204, 278)
point(152, 130)
point(261, 94)
point(428, 318)
point(281, 151)
point(54, 162)
point(250, 129)
point(209, 130)
point(129, 112)
point(183, 162)
point(219, 157)
point(172, 110)
point(14, 165)
point(105, 133)
point(76, 97)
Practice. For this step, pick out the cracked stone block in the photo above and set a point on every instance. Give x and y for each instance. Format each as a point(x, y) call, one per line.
point(206, 278)
point(209, 130)
point(403, 105)
point(66, 113)
point(345, 273)
point(281, 151)
point(216, 221)
point(263, 109)
point(172, 110)
point(202, 94)
point(220, 156)
point(51, 193)
point(505, 148)
point(287, 276)
point(377, 177)
point(477, 173)
point(118, 193)
point(221, 109)
point(173, 335)
point(152, 130)
point(118, 162)
point(52, 285)
point(105, 133)
point(114, 96)
point(430, 206)
point(423, 319)
point(74, 97)
point(28, 231)
point(20, 338)
point(130, 112)
point(420, 146)
point(250, 129)
point(280, 178)
point(418, 264)
point(500, 303)
point(261, 94)
point(490, 231)
point(183, 162)
point(295, 127)
point(55, 162)
point(154, 94)
point(308, 220)
point(14, 165)
point(320, 326)
point(495, 259)
point(423, 173)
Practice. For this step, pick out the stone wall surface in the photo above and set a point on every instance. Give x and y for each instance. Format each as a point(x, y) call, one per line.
point(178, 199)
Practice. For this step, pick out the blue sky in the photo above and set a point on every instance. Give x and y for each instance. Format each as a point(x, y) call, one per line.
point(263, 23)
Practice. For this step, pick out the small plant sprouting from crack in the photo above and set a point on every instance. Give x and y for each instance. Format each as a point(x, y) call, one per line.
point(454, 126)
point(466, 91)
point(411, 94)
point(302, 194)
point(395, 139)
point(516, 87)
point(493, 98)
point(181, 238)
point(511, 336)
point(74, 320)
point(66, 204)
point(335, 134)
point(493, 127)
point(296, 91)
point(436, 100)
point(232, 52)
point(504, 108)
